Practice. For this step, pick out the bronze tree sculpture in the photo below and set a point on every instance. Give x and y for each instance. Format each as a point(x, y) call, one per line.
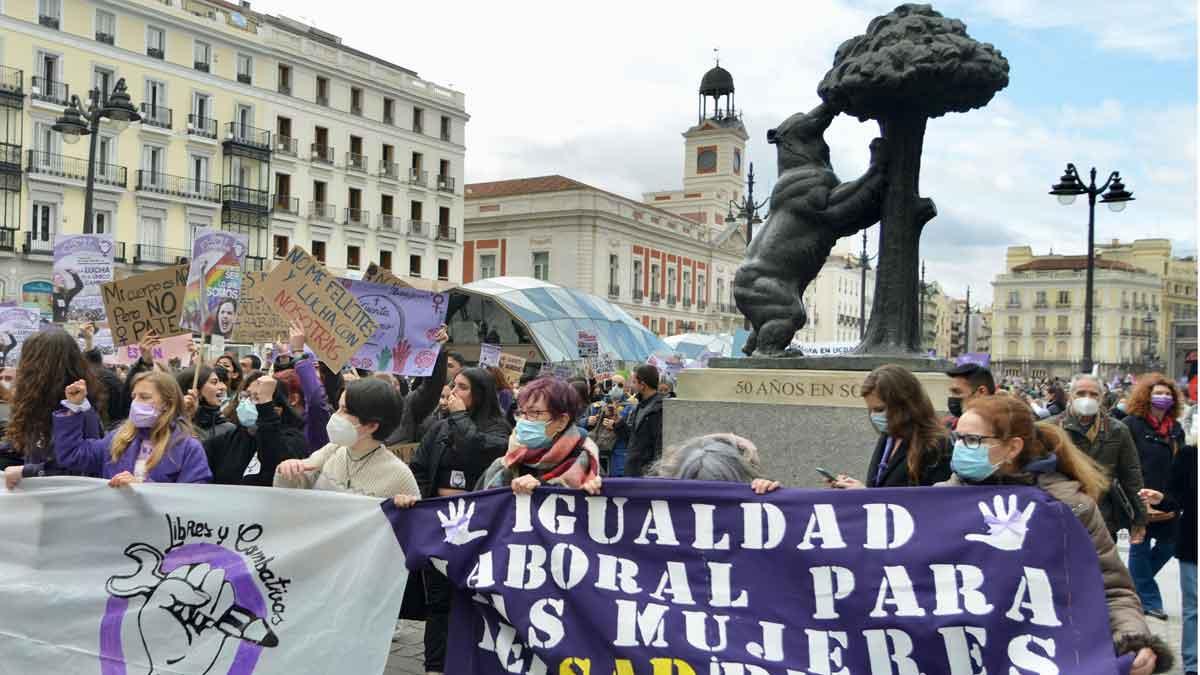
point(912, 64)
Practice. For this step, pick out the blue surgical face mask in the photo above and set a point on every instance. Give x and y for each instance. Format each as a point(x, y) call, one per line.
point(532, 434)
point(972, 464)
point(879, 421)
point(616, 393)
point(247, 413)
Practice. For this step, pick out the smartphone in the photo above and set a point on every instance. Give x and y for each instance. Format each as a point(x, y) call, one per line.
point(825, 472)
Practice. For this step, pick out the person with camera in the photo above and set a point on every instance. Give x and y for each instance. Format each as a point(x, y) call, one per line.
point(604, 424)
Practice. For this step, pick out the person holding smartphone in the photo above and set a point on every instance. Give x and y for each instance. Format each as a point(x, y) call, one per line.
point(914, 447)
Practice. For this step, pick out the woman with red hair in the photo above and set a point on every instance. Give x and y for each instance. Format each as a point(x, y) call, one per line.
point(1154, 408)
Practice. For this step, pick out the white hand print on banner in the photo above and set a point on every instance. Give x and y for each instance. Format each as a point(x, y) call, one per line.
point(457, 523)
point(1006, 526)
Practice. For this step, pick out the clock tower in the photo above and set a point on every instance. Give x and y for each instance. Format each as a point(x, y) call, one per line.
point(715, 148)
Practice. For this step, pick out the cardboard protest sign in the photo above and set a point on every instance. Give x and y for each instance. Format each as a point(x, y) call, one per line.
point(705, 578)
point(335, 323)
point(81, 263)
point(178, 347)
point(513, 367)
point(489, 355)
point(149, 302)
point(378, 275)
point(603, 365)
point(257, 320)
point(16, 324)
point(214, 281)
point(409, 319)
point(588, 344)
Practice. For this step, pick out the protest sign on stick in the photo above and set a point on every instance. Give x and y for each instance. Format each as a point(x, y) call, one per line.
point(588, 344)
point(489, 355)
point(16, 324)
point(513, 367)
point(257, 320)
point(177, 347)
point(145, 303)
point(335, 324)
point(405, 341)
point(81, 263)
point(214, 282)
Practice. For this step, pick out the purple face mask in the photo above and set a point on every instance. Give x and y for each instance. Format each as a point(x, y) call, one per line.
point(1162, 401)
point(143, 415)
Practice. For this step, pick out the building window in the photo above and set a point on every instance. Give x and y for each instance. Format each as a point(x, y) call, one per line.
point(614, 274)
point(1012, 349)
point(671, 284)
point(1064, 323)
point(655, 281)
point(418, 124)
point(1064, 298)
point(352, 253)
point(385, 260)
point(1039, 323)
point(152, 233)
point(199, 169)
point(1014, 298)
point(721, 292)
point(202, 56)
point(541, 265)
point(418, 160)
point(318, 250)
point(389, 111)
point(701, 289)
point(285, 79)
point(356, 101)
point(102, 222)
point(282, 246)
point(156, 42)
point(445, 128)
point(1014, 323)
point(443, 269)
point(50, 13)
point(201, 109)
point(245, 69)
point(487, 266)
point(1040, 299)
point(42, 227)
point(638, 287)
point(414, 266)
point(687, 286)
point(322, 90)
point(106, 27)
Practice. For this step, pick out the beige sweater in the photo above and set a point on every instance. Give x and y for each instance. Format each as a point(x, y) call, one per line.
point(374, 473)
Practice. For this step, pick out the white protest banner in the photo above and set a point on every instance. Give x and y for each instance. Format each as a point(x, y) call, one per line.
point(588, 344)
point(16, 324)
point(489, 355)
point(212, 579)
point(81, 263)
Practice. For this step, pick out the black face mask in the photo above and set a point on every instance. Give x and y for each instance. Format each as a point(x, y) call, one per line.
point(955, 405)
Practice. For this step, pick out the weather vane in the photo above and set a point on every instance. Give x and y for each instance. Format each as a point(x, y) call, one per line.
point(717, 55)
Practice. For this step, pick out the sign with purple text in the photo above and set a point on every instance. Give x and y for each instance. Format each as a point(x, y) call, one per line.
point(199, 579)
point(983, 359)
point(81, 263)
point(703, 578)
point(16, 324)
point(210, 304)
point(408, 320)
point(168, 349)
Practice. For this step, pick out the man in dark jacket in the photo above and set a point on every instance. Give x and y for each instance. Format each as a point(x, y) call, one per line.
point(968, 381)
point(644, 426)
point(1109, 442)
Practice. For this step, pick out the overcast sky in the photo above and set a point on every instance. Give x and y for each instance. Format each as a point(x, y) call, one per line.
point(602, 92)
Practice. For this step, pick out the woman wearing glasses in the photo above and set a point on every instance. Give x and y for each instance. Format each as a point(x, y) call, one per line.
point(902, 413)
point(997, 442)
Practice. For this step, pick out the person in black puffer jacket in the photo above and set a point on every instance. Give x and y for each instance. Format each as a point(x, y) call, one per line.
point(267, 432)
point(204, 406)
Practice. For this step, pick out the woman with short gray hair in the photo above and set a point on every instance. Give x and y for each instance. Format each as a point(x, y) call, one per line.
point(720, 457)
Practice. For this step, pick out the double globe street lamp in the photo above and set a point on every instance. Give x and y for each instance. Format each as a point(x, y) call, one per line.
point(1112, 193)
point(77, 121)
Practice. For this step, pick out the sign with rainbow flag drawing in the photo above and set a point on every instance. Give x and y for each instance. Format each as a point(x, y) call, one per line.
point(210, 304)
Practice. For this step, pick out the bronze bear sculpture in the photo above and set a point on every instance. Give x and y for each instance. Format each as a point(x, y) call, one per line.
point(810, 210)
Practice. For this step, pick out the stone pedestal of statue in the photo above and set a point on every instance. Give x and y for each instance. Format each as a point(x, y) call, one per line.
point(801, 412)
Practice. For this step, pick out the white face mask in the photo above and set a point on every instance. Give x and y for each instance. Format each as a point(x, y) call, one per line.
point(1085, 407)
point(341, 431)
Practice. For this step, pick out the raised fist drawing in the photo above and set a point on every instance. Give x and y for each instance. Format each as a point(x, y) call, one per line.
point(1006, 525)
point(456, 522)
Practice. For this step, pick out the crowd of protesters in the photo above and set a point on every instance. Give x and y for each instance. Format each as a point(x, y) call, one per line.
point(1122, 454)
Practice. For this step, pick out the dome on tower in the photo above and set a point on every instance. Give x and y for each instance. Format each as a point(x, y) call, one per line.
point(716, 82)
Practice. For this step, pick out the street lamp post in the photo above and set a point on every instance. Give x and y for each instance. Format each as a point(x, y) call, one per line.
point(1116, 197)
point(77, 121)
point(747, 208)
point(864, 261)
point(1149, 324)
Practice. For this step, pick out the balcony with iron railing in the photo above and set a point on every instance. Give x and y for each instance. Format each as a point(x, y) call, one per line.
point(356, 109)
point(1040, 332)
point(1062, 331)
point(390, 170)
point(1012, 332)
point(445, 183)
point(286, 146)
point(287, 204)
point(10, 158)
point(8, 239)
point(284, 88)
point(701, 305)
point(357, 218)
point(248, 136)
point(156, 53)
point(150, 254)
point(687, 303)
point(12, 82)
point(177, 186)
point(418, 177)
point(655, 298)
point(322, 99)
point(106, 38)
point(389, 118)
point(1013, 305)
point(356, 162)
point(202, 127)
point(670, 300)
point(322, 153)
point(614, 291)
point(245, 78)
point(201, 66)
point(242, 198)
point(390, 222)
point(447, 233)
point(321, 211)
point(50, 91)
point(1041, 304)
point(49, 20)
point(74, 168)
point(418, 228)
point(156, 116)
point(638, 295)
point(43, 245)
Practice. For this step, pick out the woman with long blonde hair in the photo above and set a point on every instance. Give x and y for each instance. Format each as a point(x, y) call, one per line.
point(155, 444)
point(997, 442)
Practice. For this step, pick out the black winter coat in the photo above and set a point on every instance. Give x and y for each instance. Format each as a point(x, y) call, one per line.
point(474, 446)
point(1181, 493)
point(936, 467)
point(644, 428)
point(419, 404)
point(1156, 454)
point(230, 453)
point(209, 422)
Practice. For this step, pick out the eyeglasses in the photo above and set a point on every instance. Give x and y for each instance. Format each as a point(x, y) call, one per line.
point(533, 414)
point(972, 441)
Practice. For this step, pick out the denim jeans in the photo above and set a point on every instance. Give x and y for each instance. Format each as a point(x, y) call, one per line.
point(1187, 587)
point(1145, 560)
point(616, 465)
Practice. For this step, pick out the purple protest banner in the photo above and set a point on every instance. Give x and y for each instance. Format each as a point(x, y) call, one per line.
point(81, 263)
point(700, 578)
point(408, 323)
point(978, 358)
